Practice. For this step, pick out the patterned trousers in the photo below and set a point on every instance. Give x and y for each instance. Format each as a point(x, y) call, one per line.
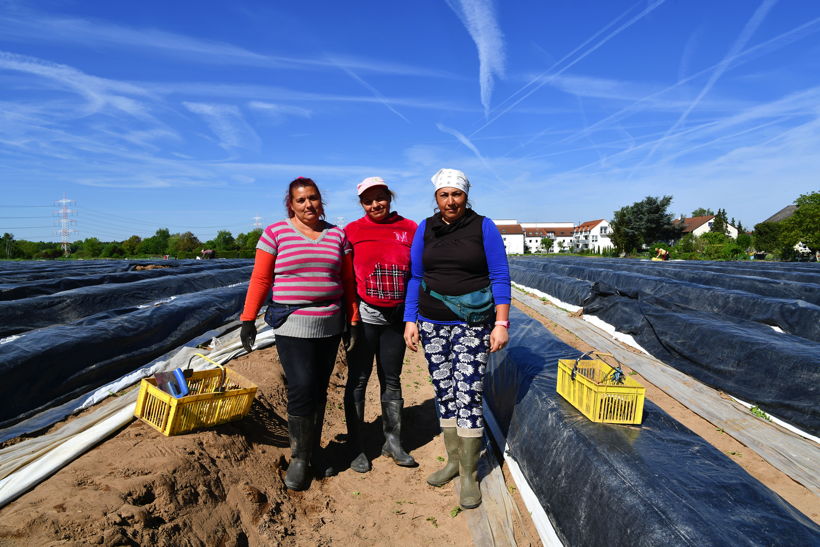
point(457, 356)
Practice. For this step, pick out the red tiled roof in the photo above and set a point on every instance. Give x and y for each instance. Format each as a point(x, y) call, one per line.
point(509, 229)
point(693, 223)
point(588, 225)
point(544, 232)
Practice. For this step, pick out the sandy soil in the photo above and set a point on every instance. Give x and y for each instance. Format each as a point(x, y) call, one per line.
point(795, 493)
point(224, 486)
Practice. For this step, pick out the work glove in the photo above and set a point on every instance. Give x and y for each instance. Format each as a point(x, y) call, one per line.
point(350, 336)
point(248, 335)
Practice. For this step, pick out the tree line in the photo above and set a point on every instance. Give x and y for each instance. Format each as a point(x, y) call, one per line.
point(648, 224)
point(162, 243)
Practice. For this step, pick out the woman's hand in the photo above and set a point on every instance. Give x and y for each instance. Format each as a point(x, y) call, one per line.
point(411, 336)
point(498, 338)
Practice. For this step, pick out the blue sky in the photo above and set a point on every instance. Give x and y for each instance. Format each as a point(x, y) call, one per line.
point(195, 115)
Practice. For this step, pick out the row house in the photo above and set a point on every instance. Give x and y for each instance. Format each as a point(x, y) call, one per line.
point(593, 235)
point(559, 232)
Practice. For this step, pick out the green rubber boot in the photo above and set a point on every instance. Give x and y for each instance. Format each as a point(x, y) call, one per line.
point(450, 469)
point(470, 496)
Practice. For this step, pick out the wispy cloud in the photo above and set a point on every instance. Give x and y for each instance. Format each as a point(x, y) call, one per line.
point(470, 146)
point(478, 16)
point(542, 79)
point(93, 33)
point(777, 42)
point(376, 93)
point(227, 123)
point(278, 112)
point(98, 93)
point(737, 47)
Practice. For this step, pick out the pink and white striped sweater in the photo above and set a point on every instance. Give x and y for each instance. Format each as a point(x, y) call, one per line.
point(304, 271)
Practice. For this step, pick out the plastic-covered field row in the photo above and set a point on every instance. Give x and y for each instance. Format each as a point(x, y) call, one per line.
point(600, 484)
point(48, 366)
point(777, 371)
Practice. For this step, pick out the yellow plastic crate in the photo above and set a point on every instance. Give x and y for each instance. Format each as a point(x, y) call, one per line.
point(593, 391)
point(204, 406)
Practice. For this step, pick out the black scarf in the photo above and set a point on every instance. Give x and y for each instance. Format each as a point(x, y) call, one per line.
point(440, 228)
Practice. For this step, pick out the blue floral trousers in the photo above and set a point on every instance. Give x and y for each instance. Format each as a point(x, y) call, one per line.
point(457, 357)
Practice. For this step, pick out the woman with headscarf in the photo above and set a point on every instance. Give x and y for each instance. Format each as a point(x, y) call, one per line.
point(304, 263)
point(381, 261)
point(458, 303)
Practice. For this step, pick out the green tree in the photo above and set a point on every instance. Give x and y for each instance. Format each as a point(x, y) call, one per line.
point(183, 245)
point(744, 240)
point(701, 212)
point(766, 237)
point(8, 246)
point(90, 248)
point(804, 224)
point(224, 241)
point(546, 244)
point(643, 222)
point(131, 245)
point(112, 250)
point(719, 223)
point(157, 244)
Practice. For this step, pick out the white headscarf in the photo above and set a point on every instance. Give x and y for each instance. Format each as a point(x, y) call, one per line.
point(451, 178)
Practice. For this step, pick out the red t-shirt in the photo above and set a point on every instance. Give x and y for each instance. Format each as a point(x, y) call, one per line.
point(381, 258)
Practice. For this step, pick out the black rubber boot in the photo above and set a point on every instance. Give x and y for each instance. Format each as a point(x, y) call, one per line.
point(391, 422)
point(354, 416)
point(450, 469)
point(321, 467)
point(470, 496)
point(300, 431)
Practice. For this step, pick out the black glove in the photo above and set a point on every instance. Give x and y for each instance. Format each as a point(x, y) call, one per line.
point(350, 336)
point(248, 335)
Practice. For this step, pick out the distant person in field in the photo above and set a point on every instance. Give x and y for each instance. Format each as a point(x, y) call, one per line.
point(662, 253)
point(381, 261)
point(207, 254)
point(458, 303)
point(305, 264)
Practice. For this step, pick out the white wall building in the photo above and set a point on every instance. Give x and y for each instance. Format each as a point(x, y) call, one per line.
point(512, 234)
point(697, 226)
point(559, 232)
point(593, 235)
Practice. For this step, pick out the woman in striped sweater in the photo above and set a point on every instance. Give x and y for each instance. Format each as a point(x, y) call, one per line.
point(304, 263)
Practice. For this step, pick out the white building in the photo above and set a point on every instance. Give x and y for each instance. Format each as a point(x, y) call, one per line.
point(512, 234)
point(593, 235)
point(697, 226)
point(559, 232)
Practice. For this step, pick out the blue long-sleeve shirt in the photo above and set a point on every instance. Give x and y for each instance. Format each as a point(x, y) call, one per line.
point(497, 267)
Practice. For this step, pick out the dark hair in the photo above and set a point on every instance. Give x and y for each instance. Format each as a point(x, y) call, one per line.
point(298, 183)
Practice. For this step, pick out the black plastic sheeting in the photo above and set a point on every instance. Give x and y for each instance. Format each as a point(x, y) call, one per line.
point(720, 337)
point(75, 279)
point(51, 365)
point(114, 321)
point(18, 316)
point(659, 484)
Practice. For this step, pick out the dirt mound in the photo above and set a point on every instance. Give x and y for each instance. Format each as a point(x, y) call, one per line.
point(224, 486)
point(141, 267)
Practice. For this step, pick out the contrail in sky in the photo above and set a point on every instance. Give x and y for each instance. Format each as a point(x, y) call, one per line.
point(543, 81)
point(757, 18)
point(382, 99)
point(469, 144)
point(479, 18)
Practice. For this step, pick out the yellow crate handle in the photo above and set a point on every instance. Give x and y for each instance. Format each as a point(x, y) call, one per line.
point(617, 374)
point(223, 376)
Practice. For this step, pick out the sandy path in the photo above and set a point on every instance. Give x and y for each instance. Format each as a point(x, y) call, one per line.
point(223, 486)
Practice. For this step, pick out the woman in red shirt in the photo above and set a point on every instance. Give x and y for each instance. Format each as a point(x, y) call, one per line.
point(381, 242)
